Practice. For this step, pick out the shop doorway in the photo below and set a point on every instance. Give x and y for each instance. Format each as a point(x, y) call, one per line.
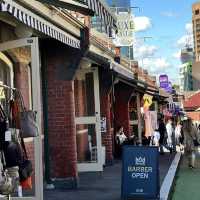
point(88, 123)
point(29, 45)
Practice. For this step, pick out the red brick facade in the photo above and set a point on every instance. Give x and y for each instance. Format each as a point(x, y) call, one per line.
point(107, 138)
point(122, 98)
point(61, 121)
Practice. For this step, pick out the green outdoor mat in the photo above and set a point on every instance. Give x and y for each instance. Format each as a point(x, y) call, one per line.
point(187, 184)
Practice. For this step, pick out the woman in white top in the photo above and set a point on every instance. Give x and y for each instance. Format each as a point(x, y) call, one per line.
point(156, 138)
point(120, 136)
point(169, 130)
point(178, 133)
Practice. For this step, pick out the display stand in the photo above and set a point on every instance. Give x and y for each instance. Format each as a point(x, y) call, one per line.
point(32, 44)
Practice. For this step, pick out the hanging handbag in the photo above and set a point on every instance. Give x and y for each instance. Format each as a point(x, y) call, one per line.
point(28, 124)
point(6, 185)
point(27, 184)
point(25, 167)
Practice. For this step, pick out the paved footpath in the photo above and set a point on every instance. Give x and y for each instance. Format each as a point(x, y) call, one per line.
point(187, 184)
point(102, 186)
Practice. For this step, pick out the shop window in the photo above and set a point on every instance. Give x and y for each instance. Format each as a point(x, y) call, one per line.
point(6, 78)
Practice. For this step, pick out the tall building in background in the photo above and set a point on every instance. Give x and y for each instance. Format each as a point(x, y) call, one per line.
point(119, 3)
point(196, 29)
point(196, 35)
point(185, 74)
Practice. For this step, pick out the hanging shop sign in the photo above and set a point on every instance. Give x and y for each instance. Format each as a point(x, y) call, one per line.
point(147, 101)
point(140, 173)
point(164, 82)
point(126, 29)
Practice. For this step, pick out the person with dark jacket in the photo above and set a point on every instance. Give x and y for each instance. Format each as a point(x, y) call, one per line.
point(162, 131)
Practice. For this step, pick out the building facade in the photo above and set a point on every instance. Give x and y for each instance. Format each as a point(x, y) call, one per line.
point(119, 3)
point(196, 36)
point(185, 73)
point(196, 29)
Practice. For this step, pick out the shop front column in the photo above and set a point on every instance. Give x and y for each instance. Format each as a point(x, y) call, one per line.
point(123, 95)
point(139, 117)
point(105, 100)
point(61, 114)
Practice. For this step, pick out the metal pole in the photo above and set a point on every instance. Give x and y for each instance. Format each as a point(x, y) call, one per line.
point(139, 119)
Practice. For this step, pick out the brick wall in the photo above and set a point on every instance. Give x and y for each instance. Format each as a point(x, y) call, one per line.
point(61, 112)
point(122, 97)
point(107, 138)
point(105, 81)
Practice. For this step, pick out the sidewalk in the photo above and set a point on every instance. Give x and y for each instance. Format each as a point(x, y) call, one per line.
point(102, 186)
point(187, 181)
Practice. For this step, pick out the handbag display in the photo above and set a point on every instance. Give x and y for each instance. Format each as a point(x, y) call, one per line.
point(27, 184)
point(6, 184)
point(28, 124)
point(25, 167)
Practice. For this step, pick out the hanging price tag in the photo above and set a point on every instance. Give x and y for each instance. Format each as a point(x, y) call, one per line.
point(8, 136)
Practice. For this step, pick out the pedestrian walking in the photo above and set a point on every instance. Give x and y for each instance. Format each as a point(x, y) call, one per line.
point(191, 140)
point(178, 134)
point(162, 131)
point(156, 138)
point(169, 129)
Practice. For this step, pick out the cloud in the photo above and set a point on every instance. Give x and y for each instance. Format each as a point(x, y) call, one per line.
point(155, 66)
point(145, 51)
point(187, 39)
point(169, 14)
point(142, 23)
point(177, 55)
point(188, 28)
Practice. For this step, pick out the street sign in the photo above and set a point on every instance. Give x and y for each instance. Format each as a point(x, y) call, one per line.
point(140, 173)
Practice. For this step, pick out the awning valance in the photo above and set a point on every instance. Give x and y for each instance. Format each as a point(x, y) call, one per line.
point(101, 9)
point(38, 23)
point(122, 70)
point(87, 7)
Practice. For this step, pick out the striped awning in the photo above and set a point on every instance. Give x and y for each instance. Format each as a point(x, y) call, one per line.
point(38, 23)
point(101, 9)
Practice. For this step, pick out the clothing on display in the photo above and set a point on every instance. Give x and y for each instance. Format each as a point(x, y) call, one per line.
point(15, 167)
point(150, 123)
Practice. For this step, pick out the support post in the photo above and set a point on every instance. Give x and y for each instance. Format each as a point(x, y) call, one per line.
point(139, 119)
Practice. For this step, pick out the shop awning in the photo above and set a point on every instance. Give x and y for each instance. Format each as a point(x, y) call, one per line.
point(101, 9)
point(121, 70)
point(87, 7)
point(38, 23)
point(74, 5)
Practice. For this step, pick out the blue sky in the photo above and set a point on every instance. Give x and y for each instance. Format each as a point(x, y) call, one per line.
point(168, 22)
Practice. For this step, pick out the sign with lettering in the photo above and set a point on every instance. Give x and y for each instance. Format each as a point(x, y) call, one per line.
point(140, 173)
point(125, 28)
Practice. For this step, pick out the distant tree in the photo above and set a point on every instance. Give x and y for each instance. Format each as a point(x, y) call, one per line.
point(176, 87)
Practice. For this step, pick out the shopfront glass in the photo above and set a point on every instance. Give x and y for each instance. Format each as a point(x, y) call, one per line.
point(88, 127)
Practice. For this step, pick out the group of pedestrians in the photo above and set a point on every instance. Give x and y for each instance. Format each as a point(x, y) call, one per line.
point(168, 137)
point(184, 136)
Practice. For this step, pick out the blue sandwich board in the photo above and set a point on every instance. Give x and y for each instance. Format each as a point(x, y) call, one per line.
point(140, 173)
